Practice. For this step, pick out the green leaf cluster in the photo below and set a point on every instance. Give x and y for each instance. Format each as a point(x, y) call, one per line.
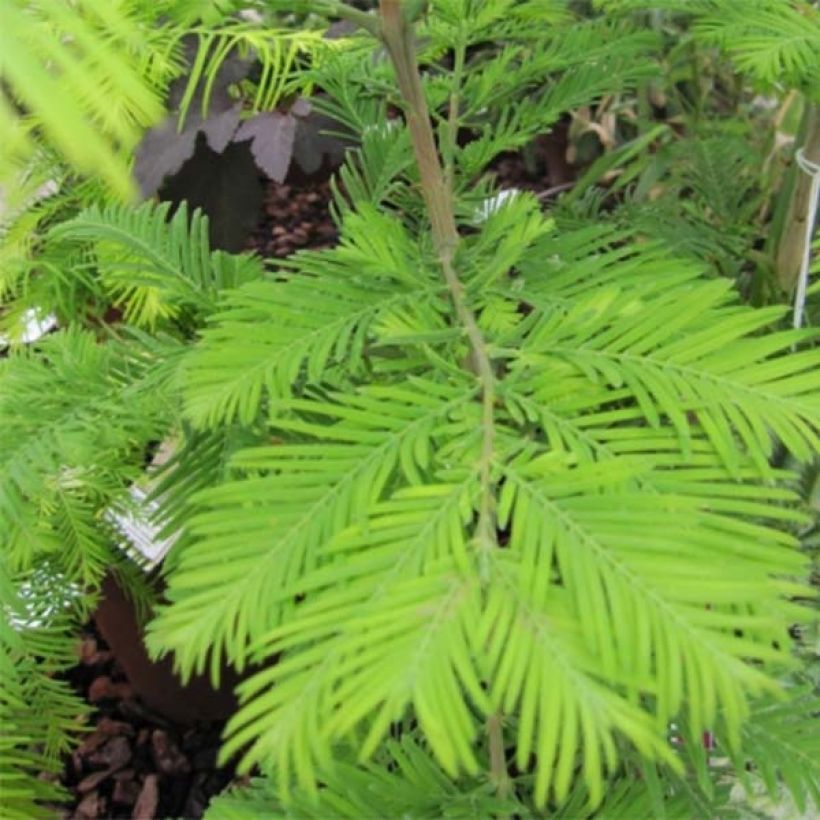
point(775, 41)
point(486, 520)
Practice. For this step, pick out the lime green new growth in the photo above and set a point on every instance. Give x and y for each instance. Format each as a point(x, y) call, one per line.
point(488, 500)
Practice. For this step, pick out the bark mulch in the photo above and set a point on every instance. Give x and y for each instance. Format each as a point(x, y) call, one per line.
point(134, 763)
point(295, 217)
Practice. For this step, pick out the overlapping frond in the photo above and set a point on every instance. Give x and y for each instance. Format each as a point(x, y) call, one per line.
point(506, 104)
point(472, 21)
point(773, 41)
point(347, 544)
point(282, 54)
point(681, 348)
point(269, 526)
point(272, 334)
point(638, 603)
point(552, 525)
point(75, 414)
point(78, 73)
point(30, 745)
point(367, 662)
point(153, 266)
point(780, 745)
point(539, 667)
point(776, 41)
point(659, 792)
point(703, 372)
point(375, 172)
point(405, 783)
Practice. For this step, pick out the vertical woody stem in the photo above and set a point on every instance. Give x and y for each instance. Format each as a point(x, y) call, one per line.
point(436, 186)
point(791, 241)
point(397, 35)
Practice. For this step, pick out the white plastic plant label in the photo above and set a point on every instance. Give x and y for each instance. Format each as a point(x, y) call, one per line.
point(139, 530)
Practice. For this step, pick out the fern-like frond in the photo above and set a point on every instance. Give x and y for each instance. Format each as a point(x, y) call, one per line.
point(357, 89)
point(644, 791)
point(686, 352)
point(540, 671)
point(415, 637)
point(780, 745)
point(30, 745)
point(269, 525)
point(153, 266)
point(606, 568)
point(75, 415)
point(39, 276)
point(284, 55)
point(348, 545)
point(406, 782)
point(375, 172)
point(198, 459)
point(775, 41)
point(702, 372)
point(509, 103)
point(473, 21)
point(77, 73)
point(265, 341)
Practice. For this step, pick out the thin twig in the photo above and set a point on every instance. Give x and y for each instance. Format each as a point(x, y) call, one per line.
point(498, 759)
point(555, 189)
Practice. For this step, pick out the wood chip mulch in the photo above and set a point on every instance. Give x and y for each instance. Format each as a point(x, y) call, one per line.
point(295, 217)
point(133, 763)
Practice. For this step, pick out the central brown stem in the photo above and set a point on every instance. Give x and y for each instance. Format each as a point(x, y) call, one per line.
point(397, 35)
point(436, 186)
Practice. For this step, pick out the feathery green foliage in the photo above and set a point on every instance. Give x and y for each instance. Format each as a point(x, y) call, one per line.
point(77, 415)
point(153, 266)
point(406, 783)
point(279, 52)
point(628, 390)
point(775, 41)
point(32, 649)
point(80, 74)
point(490, 500)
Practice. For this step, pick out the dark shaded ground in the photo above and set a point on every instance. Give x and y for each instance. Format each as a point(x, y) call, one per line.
point(134, 763)
point(295, 217)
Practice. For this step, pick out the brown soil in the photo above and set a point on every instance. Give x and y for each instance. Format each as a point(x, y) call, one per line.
point(295, 217)
point(134, 763)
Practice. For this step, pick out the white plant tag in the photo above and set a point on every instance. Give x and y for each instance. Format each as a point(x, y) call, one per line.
point(137, 522)
point(141, 540)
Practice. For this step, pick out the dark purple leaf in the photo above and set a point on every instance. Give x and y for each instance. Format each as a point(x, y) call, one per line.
point(164, 149)
point(226, 186)
point(162, 152)
point(272, 136)
point(314, 147)
point(220, 128)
